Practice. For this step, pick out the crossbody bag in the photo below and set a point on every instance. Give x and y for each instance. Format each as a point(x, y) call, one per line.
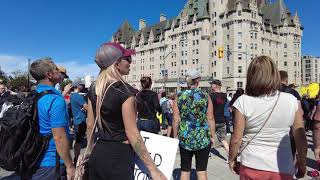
point(237, 167)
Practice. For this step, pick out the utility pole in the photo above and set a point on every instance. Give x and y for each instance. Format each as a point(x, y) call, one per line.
point(29, 60)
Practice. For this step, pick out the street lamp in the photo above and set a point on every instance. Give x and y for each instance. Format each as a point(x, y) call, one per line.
point(182, 39)
point(164, 71)
point(229, 52)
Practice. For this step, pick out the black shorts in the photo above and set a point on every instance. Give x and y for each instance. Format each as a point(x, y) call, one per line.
point(202, 157)
point(80, 132)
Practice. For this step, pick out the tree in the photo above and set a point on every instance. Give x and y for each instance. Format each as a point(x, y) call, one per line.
point(3, 76)
point(64, 83)
point(19, 80)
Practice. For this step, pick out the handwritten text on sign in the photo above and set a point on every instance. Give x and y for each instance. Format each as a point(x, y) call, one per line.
point(162, 150)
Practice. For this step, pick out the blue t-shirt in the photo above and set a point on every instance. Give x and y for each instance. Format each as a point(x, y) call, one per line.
point(77, 101)
point(53, 113)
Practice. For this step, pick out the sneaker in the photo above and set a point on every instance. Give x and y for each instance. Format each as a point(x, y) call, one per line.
point(228, 134)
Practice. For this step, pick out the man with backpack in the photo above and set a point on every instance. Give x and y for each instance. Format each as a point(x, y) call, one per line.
point(163, 103)
point(78, 108)
point(53, 120)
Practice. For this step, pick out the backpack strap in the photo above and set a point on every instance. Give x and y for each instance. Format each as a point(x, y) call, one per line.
point(38, 97)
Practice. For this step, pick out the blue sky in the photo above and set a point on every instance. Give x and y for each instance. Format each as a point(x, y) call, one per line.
point(71, 30)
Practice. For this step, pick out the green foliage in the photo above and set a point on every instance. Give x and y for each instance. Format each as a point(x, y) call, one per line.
point(64, 83)
point(19, 80)
point(3, 77)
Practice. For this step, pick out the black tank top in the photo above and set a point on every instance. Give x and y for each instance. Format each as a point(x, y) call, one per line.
point(111, 111)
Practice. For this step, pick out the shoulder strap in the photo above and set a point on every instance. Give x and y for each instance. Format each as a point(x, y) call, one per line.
point(262, 125)
point(90, 144)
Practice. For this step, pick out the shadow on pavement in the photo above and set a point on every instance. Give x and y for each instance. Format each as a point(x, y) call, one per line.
point(177, 172)
point(217, 153)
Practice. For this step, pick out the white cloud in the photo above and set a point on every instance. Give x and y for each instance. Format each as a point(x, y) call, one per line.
point(76, 69)
point(12, 63)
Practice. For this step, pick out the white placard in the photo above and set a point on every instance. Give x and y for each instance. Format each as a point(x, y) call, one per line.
point(163, 151)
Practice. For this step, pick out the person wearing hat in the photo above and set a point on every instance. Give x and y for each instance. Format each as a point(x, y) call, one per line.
point(194, 126)
point(112, 100)
point(63, 76)
point(78, 108)
point(219, 100)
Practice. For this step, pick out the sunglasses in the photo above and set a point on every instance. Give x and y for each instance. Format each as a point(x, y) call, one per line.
point(129, 59)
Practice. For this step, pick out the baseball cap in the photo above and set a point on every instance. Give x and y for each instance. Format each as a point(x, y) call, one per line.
point(112, 52)
point(193, 74)
point(63, 71)
point(216, 82)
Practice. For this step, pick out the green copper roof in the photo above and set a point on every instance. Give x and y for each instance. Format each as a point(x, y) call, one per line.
point(195, 7)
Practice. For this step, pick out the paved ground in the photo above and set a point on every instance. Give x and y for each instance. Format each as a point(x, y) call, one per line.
point(217, 167)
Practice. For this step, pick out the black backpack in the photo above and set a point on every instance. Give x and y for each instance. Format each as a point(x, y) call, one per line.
point(22, 145)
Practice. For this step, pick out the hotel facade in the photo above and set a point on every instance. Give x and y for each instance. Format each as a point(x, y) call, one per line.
point(219, 38)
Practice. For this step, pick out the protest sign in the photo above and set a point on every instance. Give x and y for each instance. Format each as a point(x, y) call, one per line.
point(162, 150)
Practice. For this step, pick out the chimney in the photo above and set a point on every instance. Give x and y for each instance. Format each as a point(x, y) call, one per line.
point(162, 17)
point(142, 24)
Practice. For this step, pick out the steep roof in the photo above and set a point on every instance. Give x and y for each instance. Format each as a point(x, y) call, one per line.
point(124, 33)
point(195, 7)
point(276, 13)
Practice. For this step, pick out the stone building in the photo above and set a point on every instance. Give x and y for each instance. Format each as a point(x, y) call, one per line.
point(310, 69)
point(217, 37)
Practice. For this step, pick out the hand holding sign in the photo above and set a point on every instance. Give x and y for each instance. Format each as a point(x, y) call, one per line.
point(163, 151)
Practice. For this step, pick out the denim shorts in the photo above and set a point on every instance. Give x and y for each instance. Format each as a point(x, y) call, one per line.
point(148, 125)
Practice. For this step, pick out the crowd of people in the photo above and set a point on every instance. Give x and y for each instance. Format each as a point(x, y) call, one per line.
point(267, 121)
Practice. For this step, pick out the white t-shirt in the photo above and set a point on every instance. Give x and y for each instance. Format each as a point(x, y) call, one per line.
point(270, 150)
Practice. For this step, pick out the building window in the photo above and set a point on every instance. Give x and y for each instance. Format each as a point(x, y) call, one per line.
point(214, 74)
point(239, 56)
point(251, 35)
point(239, 69)
point(197, 51)
point(239, 13)
point(285, 63)
point(228, 36)
point(239, 45)
point(239, 84)
point(285, 54)
point(285, 45)
point(239, 35)
point(228, 70)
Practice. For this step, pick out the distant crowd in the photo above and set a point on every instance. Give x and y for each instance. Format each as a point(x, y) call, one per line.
point(267, 122)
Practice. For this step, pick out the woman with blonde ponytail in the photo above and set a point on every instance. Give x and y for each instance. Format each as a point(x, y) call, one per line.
point(112, 105)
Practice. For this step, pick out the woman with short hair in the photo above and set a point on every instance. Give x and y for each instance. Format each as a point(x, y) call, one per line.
point(263, 118)
point(193, 124)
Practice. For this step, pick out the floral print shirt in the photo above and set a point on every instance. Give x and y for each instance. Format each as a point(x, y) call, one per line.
point(194, 133)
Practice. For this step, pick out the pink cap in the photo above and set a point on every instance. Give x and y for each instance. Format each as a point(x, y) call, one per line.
point(113, 52)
